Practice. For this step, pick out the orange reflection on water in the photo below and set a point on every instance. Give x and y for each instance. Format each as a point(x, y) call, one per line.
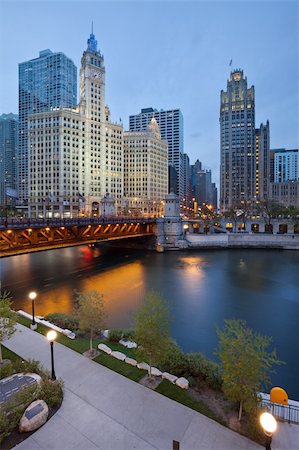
point(58, 299)
point(123, 289)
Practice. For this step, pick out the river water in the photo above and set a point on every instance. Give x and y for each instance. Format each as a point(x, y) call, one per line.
point(203, 288)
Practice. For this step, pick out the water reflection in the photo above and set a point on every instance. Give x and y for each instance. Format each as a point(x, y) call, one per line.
point(202, 288)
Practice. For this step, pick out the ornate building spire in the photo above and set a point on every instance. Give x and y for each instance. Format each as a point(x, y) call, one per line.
point(92, 43)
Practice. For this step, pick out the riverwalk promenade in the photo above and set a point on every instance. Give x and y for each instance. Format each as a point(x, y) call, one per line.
point(104, 410)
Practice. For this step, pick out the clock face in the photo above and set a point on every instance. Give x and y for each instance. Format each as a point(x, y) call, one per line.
point(95, 74)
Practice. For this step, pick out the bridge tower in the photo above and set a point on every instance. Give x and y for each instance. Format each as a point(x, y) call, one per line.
point(170, 227)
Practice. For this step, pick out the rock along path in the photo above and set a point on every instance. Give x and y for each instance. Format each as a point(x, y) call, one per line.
point(104, 410)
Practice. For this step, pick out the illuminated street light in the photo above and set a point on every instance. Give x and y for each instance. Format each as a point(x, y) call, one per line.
point(51, 336)
point(32, 295)
point(269, 425)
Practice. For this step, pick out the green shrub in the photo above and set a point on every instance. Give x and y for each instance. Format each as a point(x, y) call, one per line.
point(4, 425)
point(6, 370)
point(51, 392)
point(115, 335)
point(30, 366)
point(174, 361)
point(204, 368)
point(128, 334)
point(62, 320)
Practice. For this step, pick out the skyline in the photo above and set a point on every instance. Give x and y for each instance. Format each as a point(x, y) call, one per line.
point(181, 62)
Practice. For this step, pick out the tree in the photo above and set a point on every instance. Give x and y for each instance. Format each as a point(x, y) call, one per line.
point(91, 313)
point(152, 329)
point(269, 209)
point(246, 363)
point(8, 319)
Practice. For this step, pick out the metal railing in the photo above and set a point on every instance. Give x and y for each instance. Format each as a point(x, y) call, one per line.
point(287, 413)
point(26, 222)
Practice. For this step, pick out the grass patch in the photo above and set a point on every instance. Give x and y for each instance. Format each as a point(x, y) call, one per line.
point(8, 354)
point(120, 367)
point(181, 396)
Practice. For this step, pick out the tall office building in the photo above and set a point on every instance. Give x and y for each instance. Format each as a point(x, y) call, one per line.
point(76, 154)
point(172, 130)
point(262, 161)
point(187, 179)
point(49, 81)
point(237, 142)
point(8, 150)
point(145, 170)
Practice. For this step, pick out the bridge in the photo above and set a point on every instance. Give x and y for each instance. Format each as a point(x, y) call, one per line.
point(25, 235)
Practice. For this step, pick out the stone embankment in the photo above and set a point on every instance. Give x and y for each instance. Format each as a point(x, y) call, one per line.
point(243, 240)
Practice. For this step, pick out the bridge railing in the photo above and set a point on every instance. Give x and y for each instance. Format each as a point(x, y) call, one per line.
point(43, 222)
point(287, 413)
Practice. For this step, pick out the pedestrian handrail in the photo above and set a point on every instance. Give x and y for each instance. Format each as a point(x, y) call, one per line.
point(287, 413)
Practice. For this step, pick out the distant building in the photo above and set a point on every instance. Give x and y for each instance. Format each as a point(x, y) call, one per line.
point(285, 165)
point(76, 154)
point(187, 179)
point(237, 142)
point(172, 130)
point(286, 192)
point(262, 161)
point(8, 152)
point(145, 170)
point(203, 190)
point(49, 81)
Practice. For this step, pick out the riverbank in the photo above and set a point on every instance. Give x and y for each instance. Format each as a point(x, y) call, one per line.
point(242, 240)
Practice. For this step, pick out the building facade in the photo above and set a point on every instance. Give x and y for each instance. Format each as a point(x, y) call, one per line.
point(237, 142)
point(262, 161)
point(76, 154)
point(145, 170)
point(187, 180)
point(8, 152)
point(49, 81)
point(285, 193)
point(285, 165)
point(172, 130)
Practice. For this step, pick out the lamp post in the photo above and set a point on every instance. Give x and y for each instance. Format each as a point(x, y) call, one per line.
point(32, 296)
point(269, 425)
point(51, 336)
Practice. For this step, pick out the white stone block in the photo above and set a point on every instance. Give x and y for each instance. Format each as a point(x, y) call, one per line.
point(143, 366)
point(105, 348)
point(156, 372)
point(182, 383)
point(131, 361)
point(118, 355)
point(169, 377)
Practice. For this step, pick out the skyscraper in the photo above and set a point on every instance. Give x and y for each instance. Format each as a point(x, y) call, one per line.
point(49, 81)
point(262, 161)
point(8, 149)
point(237, 142)
point(76, 154)
point(172, 130)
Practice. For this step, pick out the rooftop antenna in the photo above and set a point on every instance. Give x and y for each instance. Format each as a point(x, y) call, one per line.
point(92, 27)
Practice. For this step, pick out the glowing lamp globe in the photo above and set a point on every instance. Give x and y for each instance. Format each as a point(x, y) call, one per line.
point(268, 423)
point(51, 335)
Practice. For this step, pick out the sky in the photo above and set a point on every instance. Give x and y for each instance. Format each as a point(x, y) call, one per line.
point(169, 54)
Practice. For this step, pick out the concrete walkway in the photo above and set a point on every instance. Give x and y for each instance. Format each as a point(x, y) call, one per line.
point(104, 410)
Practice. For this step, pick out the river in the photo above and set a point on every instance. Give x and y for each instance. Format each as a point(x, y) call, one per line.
point(202, 288)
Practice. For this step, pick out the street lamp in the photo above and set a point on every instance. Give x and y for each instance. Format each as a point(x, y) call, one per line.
point(269, 425)
point(32, 295)
point(51, 336)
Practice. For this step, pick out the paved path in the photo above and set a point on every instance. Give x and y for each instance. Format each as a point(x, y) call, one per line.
point(12, 384)
point(104, 410)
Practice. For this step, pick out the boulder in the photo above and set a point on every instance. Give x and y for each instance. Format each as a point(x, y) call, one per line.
point(182, 383)
point(118, 355)
point(156, 372)
point(34, 416)
point(143, 366)
point(105, 348)
point(169, 377)
point(131, 361)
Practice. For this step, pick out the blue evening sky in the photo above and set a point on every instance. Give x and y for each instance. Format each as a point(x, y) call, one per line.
point(171, 54)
